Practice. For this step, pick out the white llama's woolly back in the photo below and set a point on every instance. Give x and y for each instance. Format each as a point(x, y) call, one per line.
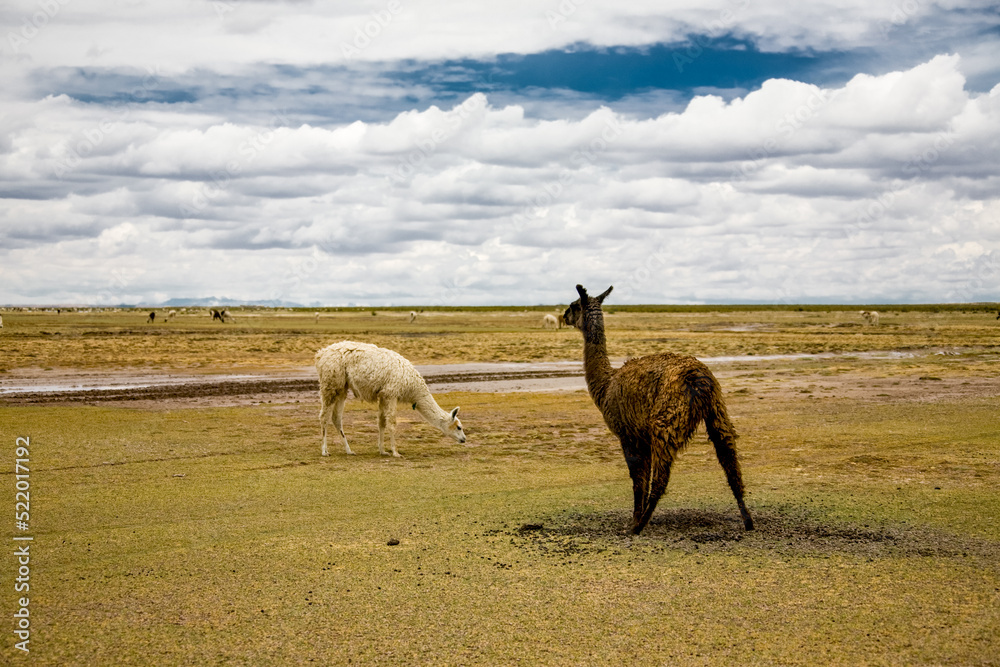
point(375, 374)
point(368, 370)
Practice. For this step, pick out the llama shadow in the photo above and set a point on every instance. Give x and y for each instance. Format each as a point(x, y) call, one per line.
point(779, 531)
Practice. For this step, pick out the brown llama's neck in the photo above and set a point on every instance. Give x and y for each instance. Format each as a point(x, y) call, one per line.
point(596, 365)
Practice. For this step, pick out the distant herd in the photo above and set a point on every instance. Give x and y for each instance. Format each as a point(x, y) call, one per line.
point(549, 321)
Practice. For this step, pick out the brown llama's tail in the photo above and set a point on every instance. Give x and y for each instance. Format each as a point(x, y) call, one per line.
point(723, 436)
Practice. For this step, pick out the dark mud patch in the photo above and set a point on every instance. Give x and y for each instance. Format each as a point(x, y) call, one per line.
point(254, 389)
point(425, 334)
point(445, 378)
point(187, 390)
point(778, 532)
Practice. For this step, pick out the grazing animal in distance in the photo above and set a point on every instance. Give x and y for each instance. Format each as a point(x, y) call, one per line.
point(151, 318)
point(375, 374)
point(654, 404)
point(870, 316)
point(1, 322)
point(998, 314)
point(218, 315)
point(317, 317)
point(551, 320)
point(413, 316)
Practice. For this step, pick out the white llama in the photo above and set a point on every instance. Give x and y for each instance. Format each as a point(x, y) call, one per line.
point(317, 317)
point(375, 374)
point(870, 316)
point(1, 321)
point(551, 321)
point(413, 316)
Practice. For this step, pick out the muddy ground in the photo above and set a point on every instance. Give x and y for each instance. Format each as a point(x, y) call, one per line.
point(888, 376)
point(143, 389)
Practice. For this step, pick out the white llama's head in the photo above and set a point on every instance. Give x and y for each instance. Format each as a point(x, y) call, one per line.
point(453, 426)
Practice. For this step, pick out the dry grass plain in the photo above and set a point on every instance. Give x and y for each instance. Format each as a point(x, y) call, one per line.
point(167, 534)
point(266, 339)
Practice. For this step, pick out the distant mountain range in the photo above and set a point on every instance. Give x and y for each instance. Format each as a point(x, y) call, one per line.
point(215, 301)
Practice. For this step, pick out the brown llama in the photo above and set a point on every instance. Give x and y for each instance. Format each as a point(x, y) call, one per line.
point(654, 404)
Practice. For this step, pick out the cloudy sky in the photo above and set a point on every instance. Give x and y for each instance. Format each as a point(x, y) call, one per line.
point(425, 152)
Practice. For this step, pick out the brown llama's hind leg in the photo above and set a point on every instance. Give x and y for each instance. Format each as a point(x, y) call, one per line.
point(723, 436)
point(650, 474)
point(646, 498)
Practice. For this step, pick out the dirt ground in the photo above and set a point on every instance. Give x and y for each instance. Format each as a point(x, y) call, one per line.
point(890, 376)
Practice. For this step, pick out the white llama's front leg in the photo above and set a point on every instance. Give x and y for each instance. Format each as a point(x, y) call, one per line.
point(324, 419)
point(387, 422)
point(338, 420)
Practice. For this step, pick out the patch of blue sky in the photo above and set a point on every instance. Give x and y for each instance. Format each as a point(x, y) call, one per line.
point(641, 81)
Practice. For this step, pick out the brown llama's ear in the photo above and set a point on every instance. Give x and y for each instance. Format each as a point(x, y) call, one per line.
point(601, 298)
